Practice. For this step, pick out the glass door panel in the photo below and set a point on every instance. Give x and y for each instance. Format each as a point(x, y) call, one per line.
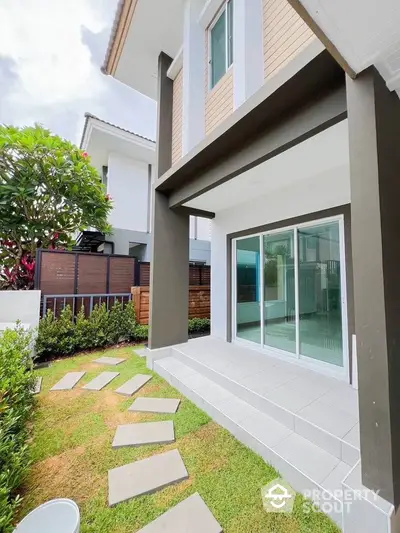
point(320, 309)
point(248, 294)
point(279, 291)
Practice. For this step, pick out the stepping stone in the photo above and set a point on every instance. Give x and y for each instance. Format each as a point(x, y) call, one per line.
point(101, 381)
point(145, 476)
point(190, 515)
point(143, 352)
point(155, 405)
point(145, 433)
point(112, 361)
point(37, 386)
point(69, 381)
point(134, 384)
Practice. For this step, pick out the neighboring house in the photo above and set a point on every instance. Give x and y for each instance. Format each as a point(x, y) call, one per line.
point(126, 161)
point(296, 164)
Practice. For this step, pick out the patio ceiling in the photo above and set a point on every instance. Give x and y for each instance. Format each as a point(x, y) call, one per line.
point(325, 153)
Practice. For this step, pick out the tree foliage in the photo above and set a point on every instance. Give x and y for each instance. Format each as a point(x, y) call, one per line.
point(48, 192)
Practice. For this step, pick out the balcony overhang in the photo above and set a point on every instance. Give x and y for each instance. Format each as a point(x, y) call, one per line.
point(303, 100)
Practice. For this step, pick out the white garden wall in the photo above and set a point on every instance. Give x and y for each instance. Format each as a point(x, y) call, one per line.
point(19, 305)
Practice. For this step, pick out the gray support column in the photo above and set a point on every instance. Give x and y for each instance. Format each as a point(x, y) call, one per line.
point(169, 278)
point(169, 283)
point(164, 116)
point(374, 136)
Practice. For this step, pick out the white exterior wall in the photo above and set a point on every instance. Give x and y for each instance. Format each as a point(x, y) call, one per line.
point(19, 305)
point(316, 193)
point(128, 185)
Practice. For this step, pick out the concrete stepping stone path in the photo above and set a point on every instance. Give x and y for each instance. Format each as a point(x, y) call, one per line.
point(112, 361)
point(38, 385)
point(69, 381)
point(144, 433)
point(155, 405)
point(145, 476)
point(101, 381)
point(134, 384)
point(190, 515)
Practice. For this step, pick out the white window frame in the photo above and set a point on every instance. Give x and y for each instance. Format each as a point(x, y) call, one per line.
point(228, 42)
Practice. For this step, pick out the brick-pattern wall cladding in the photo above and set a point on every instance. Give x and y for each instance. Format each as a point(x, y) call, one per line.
point(219, 100)
point(285, 35)
point(198, 305)
point(177, 109)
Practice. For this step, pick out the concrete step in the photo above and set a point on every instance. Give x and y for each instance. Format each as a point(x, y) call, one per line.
point(302, 463)
point(333, 444)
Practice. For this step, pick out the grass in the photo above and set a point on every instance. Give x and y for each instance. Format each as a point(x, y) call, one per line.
point(71, 449)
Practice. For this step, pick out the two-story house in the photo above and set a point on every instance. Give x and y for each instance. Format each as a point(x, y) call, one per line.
point(126, 161)
point(264, 129)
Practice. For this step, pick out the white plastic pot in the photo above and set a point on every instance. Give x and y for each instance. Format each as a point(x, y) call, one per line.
point(55, 516)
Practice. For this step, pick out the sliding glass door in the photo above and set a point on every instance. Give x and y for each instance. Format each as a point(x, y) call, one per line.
point(288, 291)
point(248, 294)
point(320, 293)
point(279, 291)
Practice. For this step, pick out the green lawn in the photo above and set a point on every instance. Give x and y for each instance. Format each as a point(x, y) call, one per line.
point(71, 448)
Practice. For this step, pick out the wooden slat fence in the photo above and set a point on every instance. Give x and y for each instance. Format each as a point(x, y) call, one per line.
point(199, 302)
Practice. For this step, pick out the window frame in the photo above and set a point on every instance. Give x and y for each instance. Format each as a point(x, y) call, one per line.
point(229, 54)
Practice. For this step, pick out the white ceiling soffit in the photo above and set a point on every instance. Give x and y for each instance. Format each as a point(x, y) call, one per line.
point(365, 32)
point(324, 153)
point(157, 26)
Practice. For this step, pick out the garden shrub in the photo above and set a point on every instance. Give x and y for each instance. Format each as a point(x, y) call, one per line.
point(199, 325)
point(16, 402)
point(141, 332)
point(66, 335)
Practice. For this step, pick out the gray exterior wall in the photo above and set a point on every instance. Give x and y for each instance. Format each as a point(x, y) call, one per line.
point(199, 250)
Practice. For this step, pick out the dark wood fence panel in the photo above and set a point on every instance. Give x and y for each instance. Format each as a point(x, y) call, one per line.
point(198, 275)
point(57, 273)
point(144, 270)
point(92, 274)
point(61, 273)
point(121, 274)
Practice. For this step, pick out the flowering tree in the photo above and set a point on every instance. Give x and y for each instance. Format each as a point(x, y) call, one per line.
point(48, 193)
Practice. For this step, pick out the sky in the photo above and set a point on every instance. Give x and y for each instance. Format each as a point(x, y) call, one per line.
point(51, 52)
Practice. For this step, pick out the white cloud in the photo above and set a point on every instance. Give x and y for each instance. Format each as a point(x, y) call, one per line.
point(48, 50)
point(53, 65)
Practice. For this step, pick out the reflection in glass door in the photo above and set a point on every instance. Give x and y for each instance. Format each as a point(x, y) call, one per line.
point(279, 291)
point(320, 295)
point(248, 311)
point(289, 291)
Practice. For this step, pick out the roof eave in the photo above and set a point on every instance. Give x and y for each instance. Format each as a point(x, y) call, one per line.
point(122, 21)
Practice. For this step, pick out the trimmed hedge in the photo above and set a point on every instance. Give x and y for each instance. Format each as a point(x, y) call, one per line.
point(16, 403)
point(65, 336)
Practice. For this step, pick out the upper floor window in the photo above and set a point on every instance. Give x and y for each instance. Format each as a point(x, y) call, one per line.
point(221, 43)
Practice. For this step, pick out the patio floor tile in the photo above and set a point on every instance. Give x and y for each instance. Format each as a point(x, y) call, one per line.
point(190, 515)
point(134, 384)
point(155, 405)
point(69, 381)
point(144, 433)
point(101, 381)
point(112, 361)
point(145, 476)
